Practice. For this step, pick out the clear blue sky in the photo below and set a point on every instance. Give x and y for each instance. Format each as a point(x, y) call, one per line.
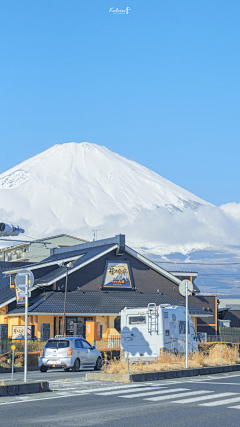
point(159, 85)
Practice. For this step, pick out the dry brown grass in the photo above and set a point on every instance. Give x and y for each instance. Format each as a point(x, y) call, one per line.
point(102, 345)
point(170, 361)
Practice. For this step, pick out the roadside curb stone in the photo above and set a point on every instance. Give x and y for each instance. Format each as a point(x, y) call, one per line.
point(13, 389)
point(17, 369)
point(161, 375)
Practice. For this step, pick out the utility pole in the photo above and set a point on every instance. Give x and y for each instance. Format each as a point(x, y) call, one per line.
point(67, 266)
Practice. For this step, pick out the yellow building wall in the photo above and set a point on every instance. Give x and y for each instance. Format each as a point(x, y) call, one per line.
point(112, 330)
point(3, 312)
point(32, 320)
point(107, 323)
point(103, 320)
point(45, 319)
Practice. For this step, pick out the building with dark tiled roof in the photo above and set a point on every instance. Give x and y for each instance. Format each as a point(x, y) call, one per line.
point(102, 278)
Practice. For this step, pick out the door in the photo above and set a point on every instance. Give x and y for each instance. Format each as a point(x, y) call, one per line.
point(90, 357)
point(79, 352)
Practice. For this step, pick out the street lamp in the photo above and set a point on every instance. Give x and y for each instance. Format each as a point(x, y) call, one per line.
point(67, 266)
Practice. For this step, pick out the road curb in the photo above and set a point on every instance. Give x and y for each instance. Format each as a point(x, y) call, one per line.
point(15, 388)
point(19, 369)
point(162, 375)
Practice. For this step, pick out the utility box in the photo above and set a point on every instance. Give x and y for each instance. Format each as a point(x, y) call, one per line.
point(92, 331)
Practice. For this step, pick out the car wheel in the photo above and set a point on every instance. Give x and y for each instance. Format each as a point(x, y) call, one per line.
point(43, 369)
point(98, 365)
point(76, 365)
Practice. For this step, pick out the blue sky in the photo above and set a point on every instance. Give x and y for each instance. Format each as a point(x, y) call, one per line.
point(159, 85)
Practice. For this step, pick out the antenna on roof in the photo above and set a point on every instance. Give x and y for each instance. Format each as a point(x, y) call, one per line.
point(95, 232)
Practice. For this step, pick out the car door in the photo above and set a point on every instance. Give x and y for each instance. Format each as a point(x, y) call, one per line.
point(90, 356)
point(80, 353)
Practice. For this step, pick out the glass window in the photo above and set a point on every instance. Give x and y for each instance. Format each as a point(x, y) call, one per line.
point(57, 344)
point(193, 333)
point(167, 333)
point(173, 317)
point(165, 315)
point(182, 327)
point(136, 320)
point(78, 344)
point(85, 344)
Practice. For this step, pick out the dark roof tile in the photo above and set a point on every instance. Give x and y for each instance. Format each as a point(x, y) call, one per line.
point(98, 302)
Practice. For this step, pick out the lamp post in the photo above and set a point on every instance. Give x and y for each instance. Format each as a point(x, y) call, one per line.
point(67, 266)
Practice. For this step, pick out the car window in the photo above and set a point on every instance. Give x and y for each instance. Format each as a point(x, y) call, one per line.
point(86, 344)
point(78, 344)
point(57, 344)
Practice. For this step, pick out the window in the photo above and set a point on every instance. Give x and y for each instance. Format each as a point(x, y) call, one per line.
point(57, 344)
point(78, 344)
point(174, 317)
point(167, 333)
point(85, 344)
point(117, 323)
point(193, 333)
point(136, 320)
point(165, 315)
point(182, 327)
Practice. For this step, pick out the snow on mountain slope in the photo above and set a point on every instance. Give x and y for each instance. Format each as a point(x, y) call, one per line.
point(73, 188)
point(70, 186)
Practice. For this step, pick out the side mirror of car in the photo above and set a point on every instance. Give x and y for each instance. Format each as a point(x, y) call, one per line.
point(93, 347)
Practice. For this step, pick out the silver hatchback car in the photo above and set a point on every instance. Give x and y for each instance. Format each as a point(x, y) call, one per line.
point(69, 352)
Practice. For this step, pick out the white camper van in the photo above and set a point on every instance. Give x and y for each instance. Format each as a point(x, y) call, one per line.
point(147, 332)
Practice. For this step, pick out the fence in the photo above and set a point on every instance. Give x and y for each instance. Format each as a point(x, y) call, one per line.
point(224, 338)
point(114, 341)
point(223, 330)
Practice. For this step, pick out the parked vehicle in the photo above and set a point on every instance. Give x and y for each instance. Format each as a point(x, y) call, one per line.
point(69, 352)
point(147, 332)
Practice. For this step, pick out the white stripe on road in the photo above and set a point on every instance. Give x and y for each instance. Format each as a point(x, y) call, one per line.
point(197, 399)
point(173, 396)
point(221, 402)
point(220, 383)
point(120, 391)
point(150, 393)
point(119, 387)
point(41, 398)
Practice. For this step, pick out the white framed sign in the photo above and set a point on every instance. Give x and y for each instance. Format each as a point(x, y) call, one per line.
point(117, 275)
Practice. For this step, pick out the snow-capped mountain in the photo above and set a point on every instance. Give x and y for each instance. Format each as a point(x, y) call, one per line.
point(74, 188)
point(71, 186)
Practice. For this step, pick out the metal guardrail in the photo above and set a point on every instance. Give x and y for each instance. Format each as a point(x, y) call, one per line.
point(114, 341)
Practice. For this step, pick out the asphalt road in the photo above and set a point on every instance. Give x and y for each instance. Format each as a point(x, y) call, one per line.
point(199, 401)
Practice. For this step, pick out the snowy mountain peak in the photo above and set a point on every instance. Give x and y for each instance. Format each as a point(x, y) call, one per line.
point(75, 185)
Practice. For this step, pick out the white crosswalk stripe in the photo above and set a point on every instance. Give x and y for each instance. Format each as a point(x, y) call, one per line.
point(151, 393)
point(177, 395)
point(198, 398)
point(119, 391)
point(221, 402)
point(121, 387)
